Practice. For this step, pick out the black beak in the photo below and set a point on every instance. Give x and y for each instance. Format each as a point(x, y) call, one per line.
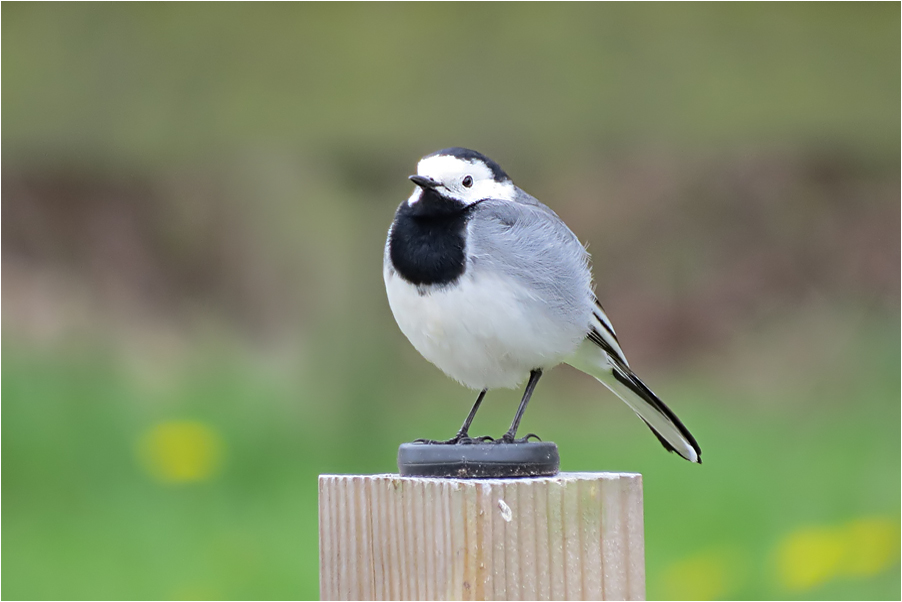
point(424, 182)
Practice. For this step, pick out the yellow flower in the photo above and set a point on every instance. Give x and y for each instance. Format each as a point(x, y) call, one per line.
point(872, 546)
point(809, 557)
point(812, 556)
point(181, 451)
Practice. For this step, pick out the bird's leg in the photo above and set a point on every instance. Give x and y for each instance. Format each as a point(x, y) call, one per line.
point(464, 432)
point(511, 434)
point(463, 435)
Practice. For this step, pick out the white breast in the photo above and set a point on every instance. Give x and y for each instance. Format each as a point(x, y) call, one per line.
point(484, 331)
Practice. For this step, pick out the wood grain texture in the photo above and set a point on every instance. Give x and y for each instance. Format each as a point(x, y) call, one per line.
point(575, 536)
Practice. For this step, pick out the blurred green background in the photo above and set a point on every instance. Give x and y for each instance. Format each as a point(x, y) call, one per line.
point(195, 199)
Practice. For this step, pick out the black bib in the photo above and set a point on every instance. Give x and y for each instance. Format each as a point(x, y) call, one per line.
point(426, 245)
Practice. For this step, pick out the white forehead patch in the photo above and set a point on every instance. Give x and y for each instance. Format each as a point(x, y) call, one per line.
point(443, 168)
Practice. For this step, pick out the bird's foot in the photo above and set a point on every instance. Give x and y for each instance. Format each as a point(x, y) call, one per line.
point(508, 438)
point(458, 439)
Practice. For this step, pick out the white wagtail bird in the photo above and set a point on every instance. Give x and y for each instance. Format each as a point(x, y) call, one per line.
point(492, 287)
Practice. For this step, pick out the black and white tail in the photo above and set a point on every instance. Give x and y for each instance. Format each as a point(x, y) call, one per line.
point(601, 356)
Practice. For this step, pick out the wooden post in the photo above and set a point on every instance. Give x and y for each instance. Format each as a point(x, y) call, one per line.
point(574, 536)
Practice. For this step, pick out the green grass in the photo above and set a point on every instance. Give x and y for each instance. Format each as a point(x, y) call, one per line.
point(83, 519)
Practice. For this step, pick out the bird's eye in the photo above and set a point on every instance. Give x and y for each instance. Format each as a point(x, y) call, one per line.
point(468, 181)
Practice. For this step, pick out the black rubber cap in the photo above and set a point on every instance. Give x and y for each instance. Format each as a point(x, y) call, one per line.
point(479, 460)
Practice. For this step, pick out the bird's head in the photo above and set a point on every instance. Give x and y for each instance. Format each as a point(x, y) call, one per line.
point(459, 176)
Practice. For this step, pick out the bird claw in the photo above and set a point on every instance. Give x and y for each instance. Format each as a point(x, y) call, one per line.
point(457, 439)
point(436, 441)
point(507, 438)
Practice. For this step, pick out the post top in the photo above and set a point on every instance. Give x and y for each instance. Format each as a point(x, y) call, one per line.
point(560, 478)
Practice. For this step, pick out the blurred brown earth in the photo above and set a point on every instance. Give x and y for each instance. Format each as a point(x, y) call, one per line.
point(687, 250)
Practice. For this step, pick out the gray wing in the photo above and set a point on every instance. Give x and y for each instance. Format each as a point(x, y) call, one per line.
point(527, 241)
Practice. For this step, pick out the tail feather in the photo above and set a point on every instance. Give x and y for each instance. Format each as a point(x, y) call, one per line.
point(624, 383)
point(635, 386)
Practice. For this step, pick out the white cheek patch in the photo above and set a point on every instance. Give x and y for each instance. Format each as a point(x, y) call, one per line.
point(416, 196)
point(495, 190)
